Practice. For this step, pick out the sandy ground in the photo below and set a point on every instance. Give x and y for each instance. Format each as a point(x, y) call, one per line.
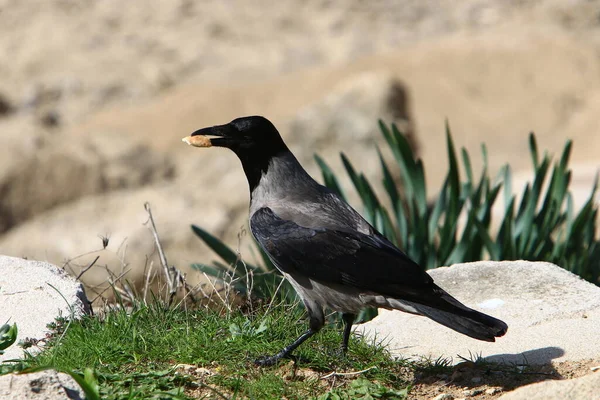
point(486, 382)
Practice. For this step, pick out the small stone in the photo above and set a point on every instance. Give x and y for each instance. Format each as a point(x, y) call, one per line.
point(443, 396)
point(187, 368)
point(203, 371)
point(472, 392)
point(493, 390)
point(476, 379)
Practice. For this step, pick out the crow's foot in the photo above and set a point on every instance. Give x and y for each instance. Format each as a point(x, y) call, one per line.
point(268, 361)
point(341, 352)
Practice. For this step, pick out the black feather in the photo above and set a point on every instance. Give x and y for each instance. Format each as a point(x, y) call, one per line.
point(338, 257)
point(369, 263)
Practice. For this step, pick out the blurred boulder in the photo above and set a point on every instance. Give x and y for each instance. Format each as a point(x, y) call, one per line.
point(210, 189)
point(66, 168)
point(347, 117)
point(120, 217)
point(345, 120)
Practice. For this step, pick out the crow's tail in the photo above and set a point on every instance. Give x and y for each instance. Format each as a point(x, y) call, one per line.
point(448, 311)
point(476, 325)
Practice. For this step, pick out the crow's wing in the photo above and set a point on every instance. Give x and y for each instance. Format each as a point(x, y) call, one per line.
point(367, 262)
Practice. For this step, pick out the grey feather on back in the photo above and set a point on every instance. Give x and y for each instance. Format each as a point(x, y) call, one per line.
point(293, 195)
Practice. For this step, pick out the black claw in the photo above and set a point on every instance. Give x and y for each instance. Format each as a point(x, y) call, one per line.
point(267, 361)
point(340, 353)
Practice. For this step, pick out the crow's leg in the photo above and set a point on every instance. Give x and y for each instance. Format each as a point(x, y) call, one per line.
point(316, 322)
point(267, 361)
point(348, 321)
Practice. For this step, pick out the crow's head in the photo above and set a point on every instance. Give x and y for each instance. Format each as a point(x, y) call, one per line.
point(242, 135)
point(255, 141)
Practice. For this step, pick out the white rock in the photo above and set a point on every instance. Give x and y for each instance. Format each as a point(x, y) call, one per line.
point(121, 216)
point(350, 112)
point(543, 305)
point(443, 396)
point(44, 385)
point(73, 167)
point(32, 295)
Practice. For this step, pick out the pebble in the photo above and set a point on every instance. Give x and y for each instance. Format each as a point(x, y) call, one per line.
point(203, 371)
point(492, 391)
point(472, 392)
point(443, 396)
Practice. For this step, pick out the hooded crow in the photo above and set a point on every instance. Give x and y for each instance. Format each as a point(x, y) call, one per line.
point(330, 254)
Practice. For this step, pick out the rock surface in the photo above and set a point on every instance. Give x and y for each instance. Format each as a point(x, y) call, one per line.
point(189, 198)
point(70, 168)
point(32, 295)
point(44, 385)
point(552, 315)
point(349, 113)
point(587, 387)
point(121, 217)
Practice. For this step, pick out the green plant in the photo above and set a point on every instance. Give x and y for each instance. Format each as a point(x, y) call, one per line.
point(247, 328)
point(364, 389)
point(246, 278)
point(545, 226)
point(153, 351)
point(88, 383)
point(8, 336)
point(457, 225)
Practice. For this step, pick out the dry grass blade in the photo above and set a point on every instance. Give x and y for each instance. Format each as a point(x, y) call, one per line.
point(347, 374)
point(175, 279)
point(86, 269)
point(170, 273)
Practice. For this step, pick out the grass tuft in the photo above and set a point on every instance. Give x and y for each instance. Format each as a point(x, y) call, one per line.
point(152, 350)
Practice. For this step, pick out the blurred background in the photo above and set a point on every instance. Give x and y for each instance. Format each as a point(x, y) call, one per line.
point(95, 97)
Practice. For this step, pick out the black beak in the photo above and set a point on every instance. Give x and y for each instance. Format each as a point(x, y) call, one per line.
point(217, 130)
point(219, 135)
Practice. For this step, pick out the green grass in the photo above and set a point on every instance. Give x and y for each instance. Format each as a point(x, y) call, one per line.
point(138, 354)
